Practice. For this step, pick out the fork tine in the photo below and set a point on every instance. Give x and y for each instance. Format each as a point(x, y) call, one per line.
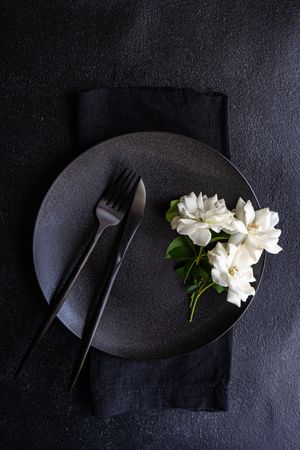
point(127, 199)
point(110, 188)
point(119, 189)
point(123, 191)
point(127, 194)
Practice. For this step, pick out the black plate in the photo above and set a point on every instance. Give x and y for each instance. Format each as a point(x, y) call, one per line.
point(146, 316)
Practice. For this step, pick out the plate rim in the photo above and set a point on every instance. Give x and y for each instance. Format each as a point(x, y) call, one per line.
point(143, 133)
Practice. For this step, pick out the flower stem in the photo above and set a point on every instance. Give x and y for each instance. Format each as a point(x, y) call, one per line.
point(197, 298)
point(194, 293)
point(192, 299)
point(188, 272)
point(199, 256)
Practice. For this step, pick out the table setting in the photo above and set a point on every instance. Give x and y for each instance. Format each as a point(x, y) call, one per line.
point(145, 258)
point(148, 322)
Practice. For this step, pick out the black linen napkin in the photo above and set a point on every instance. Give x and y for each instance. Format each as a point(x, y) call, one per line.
point(198, 380)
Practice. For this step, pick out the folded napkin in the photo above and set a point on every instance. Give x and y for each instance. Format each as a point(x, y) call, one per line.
point(198, 380)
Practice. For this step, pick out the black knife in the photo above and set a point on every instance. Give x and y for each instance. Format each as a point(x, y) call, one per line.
point(131, 225)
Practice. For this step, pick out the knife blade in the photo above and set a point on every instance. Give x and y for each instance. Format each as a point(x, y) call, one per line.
point(133, 219)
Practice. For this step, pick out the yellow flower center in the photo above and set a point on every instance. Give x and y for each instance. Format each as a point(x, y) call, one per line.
point(252, 226)
point(232, 270)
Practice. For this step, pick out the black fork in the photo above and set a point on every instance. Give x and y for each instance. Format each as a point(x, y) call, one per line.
point(110, 210)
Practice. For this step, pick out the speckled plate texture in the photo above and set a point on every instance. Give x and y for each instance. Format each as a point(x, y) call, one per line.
point(146, 315)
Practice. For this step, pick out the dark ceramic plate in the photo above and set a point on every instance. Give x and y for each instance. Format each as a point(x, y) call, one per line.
point(146, 316)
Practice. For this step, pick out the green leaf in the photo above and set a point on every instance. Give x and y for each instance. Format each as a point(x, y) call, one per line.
point(222, 236)
point(172, 211)
point(219, 288)
point(191, 288)
point(191, 244)
point(180, 272)
point(180, 254)
point(179, 249)
point(179, 241)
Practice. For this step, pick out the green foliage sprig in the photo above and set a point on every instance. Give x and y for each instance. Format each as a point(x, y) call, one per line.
point(193, 266)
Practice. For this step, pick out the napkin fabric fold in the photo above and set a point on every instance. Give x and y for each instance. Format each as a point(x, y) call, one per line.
point(198, 380)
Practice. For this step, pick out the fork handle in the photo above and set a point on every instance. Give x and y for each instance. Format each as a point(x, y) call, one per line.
point(59, 299)
point(94, 322)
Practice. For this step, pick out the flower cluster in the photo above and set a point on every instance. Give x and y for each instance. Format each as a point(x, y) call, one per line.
point(218, 247)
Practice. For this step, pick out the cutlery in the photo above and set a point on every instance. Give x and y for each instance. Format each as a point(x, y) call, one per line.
point(110, 210)
point(131, 225)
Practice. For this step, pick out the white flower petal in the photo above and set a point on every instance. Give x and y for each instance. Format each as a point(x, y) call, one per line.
point(242, 258)
point(197, 223)
point(185, 213)
point(188, 221)
point(255, 255)
point(254, 252)
point(274, 219)
point(238, 226)
point(239, 209)
point(249, 213)
point(232, 250)
point(189, 202)
point(263, 241)
point(218, 258)
point(213, 200)
point(253, 241)
point(216, 228)
point(186, 228)
point(219, 262)
point(233, 297)
point(201, 236)
point(274, 249)
point(200, 201)
point(262, 218)
point(273, 233)
point(221, 202)
point(219, 277)
point(218, 250)
point(241, 286)
point(236, 239)
point(246, 273)
point(174, 222)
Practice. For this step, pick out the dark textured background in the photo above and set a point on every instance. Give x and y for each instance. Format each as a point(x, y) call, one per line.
point(247, 50)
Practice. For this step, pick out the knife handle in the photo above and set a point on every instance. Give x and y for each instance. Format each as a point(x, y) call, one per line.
point(94, 322)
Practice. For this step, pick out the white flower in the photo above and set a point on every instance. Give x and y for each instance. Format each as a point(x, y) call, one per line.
point(199, 215)
point(258, 232)
point(232, 269)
